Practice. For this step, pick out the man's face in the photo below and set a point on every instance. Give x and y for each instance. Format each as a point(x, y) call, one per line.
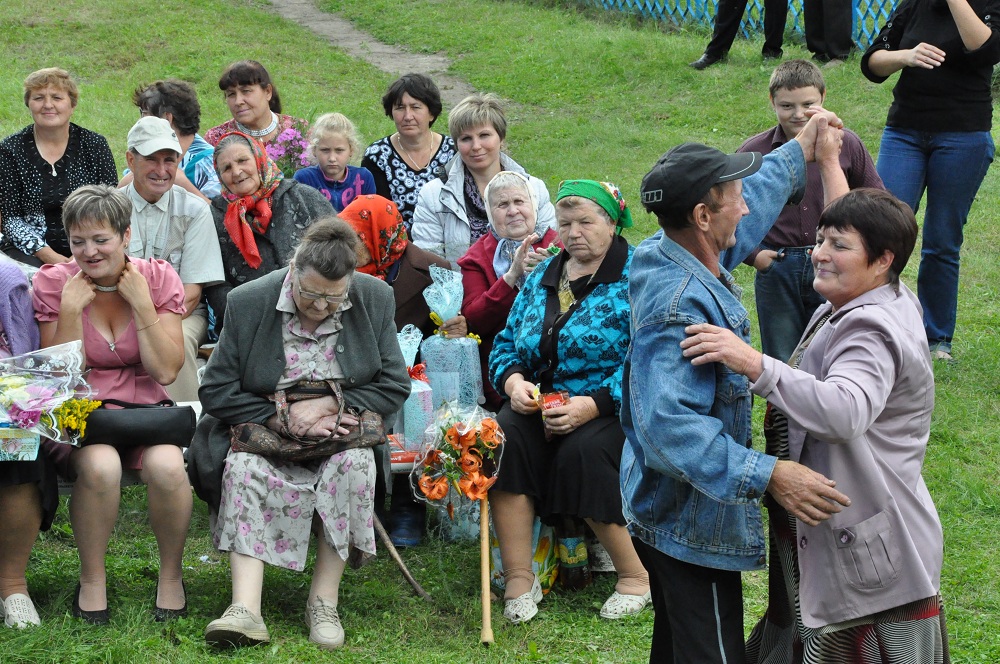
point(731, 208)
point(790, 106)
point(153, 175)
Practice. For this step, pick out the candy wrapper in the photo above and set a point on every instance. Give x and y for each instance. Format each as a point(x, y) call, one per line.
point(444, 295)
point(418, 410)
point(453, 370)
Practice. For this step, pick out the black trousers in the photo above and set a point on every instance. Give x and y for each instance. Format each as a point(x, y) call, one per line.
point(698, 611)
point(829, 27)
point(727, 24)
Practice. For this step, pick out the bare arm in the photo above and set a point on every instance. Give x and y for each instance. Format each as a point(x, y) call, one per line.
point(828, 142)
point(161, 337)
point(49, 256)
point(927, 56)
point(77, 293)
point(192, 296)
point(973, 31)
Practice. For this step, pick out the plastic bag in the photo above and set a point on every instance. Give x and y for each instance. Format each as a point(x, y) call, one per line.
point(454, 370)
point(418, 409)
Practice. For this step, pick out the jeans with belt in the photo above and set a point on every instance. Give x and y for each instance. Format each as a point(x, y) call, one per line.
point(785, 300)
point(950, 166)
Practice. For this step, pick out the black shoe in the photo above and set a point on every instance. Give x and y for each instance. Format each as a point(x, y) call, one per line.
point(102, 617)
point(163, 615)
point(821, 58)
point(705, 61)
point(772, 54)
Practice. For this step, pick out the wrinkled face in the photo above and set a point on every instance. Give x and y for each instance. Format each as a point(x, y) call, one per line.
point(732, 208)
point(412, 117)
point(480, 148)
point(840, 262)
point(238, 170)
point(791, 105)
point(50, 107)
point(585, 231)
point(99, 250)
point(249, 104)
point(153, 176)
point(315, 296)
point(333, 153)
point(513, 213)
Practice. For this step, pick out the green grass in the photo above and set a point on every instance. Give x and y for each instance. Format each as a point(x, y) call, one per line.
point(589, 97)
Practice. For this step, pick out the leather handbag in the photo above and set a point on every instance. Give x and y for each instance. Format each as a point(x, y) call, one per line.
point(134, 424)
point(284, 446)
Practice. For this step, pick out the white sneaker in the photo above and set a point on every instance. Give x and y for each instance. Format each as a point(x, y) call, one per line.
point(18, 611)
point(325, 629)
point(237, 627)
point(523, 608)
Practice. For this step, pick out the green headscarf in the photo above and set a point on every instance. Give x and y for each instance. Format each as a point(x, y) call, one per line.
point(605, 194)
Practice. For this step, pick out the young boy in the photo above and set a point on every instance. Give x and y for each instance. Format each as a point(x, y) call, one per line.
point(783, 283)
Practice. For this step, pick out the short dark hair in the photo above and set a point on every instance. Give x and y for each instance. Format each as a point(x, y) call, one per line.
point(679, 218)
point(250, 72)
point(418, 86)
point(329, 246)
point(171, 96)
point(884, 223)
point(98, 203)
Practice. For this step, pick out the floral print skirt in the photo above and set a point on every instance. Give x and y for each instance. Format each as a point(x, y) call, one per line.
point(267, 507)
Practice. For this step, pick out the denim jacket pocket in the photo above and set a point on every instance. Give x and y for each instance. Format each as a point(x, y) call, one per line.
point(868, 552)
point(732, 403)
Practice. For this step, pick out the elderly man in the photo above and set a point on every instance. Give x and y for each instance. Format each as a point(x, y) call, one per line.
point(174, 225)
point(691, 484)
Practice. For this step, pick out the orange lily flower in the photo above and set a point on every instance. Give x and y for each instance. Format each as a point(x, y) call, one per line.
point(451, 437)
point(476, 486)
point(470, 461)
point(434, 489)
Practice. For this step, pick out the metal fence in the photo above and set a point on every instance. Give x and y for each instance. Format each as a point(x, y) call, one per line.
point(869, 15)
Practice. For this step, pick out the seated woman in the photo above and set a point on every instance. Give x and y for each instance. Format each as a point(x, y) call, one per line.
point(853, 403)
point(259, 217)
point(403, 162)
point(318, 321)
point(256, 108)
point(496, 266)
point(42, 164)
point(450, 213)
point(29, 496)
point(548, 343)
point(127, 312)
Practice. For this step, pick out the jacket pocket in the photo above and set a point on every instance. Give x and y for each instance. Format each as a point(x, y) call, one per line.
point(868, 552)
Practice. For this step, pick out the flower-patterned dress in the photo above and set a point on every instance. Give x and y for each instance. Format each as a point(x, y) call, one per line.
point(268, 505)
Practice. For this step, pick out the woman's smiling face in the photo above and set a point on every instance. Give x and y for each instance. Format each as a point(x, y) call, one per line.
point(238, 170)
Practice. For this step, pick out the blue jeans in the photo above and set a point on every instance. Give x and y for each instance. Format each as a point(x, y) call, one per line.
point(951, 166)
point(786, 301)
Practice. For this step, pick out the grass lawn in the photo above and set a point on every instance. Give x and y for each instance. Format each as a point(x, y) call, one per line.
point(589, 98)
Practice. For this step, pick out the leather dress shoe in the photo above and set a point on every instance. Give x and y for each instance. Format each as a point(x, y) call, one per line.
point(101, 617)
point(705, 61)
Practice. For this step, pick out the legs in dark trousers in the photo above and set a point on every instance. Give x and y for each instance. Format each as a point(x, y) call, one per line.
point(727, 24)
point(699, 611)
point(829, 28)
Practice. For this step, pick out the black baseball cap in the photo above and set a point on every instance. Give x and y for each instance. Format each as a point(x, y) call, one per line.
point(683, 175)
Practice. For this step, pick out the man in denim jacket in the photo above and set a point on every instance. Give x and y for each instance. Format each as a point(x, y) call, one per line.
point(691, 484)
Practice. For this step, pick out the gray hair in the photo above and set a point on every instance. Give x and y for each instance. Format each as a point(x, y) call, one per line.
point(329, 246)
point(98, 203)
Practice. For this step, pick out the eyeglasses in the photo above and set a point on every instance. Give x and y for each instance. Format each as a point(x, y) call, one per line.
point(315, 297)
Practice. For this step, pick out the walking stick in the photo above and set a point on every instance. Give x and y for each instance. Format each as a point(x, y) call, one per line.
point(384, 536)
point(486, 635)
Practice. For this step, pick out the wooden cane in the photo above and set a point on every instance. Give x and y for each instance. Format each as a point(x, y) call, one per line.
point(486, 635)
point(384, 536)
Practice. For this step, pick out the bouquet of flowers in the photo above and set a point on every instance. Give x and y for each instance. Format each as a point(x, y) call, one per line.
point(44, 392)
point(465, 456)
point(290, 150)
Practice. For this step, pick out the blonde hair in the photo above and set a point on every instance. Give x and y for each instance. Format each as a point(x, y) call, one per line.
point(476, 110)
point(51, 77)
point(334, 123)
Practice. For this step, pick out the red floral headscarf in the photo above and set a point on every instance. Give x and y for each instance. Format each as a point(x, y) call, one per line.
point(378, 223)
point(239, 227)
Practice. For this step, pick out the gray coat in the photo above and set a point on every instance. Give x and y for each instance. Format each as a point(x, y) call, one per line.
point(249, 361)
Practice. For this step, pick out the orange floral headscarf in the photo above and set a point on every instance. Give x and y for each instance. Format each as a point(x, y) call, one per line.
point(380, 227)
point(239, 227)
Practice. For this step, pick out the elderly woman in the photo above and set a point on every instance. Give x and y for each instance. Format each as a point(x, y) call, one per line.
point(127, 312)
point(259, 217)
point(937, 136)
point(496, 266)
point(403, 162)
point(549, 344)
point(42, 164)
point(451, 214)
point(314, 321)
point(255, 106)
point(28, 493)
point(853, 403)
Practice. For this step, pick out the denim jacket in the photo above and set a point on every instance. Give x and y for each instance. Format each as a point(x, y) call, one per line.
point(691, 484)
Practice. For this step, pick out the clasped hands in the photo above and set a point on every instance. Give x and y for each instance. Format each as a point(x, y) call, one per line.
point(317, 418)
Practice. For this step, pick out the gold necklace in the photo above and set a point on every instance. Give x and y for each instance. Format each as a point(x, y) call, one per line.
point(399, 144)
point(566, 298)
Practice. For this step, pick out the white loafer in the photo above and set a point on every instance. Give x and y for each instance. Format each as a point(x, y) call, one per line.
point(619, 605)
point(523, 608)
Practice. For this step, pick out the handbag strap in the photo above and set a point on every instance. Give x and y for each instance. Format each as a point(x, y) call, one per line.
point(129, 404)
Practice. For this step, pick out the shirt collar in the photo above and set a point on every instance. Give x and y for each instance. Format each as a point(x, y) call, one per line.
point(139, 203)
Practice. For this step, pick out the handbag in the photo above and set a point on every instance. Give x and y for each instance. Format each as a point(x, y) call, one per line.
point(256, 438)
point(134, 424)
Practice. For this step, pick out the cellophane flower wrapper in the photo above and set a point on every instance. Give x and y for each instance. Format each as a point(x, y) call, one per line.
point(444, 295)
point(453, 370)
point(35, 385)
point(418, 409)
point(460, 462)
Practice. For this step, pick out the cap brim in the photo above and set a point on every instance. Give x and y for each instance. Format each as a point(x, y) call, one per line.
point(155, 145)
point(741, 165)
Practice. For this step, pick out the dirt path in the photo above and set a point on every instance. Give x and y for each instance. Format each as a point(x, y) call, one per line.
point(359, 44)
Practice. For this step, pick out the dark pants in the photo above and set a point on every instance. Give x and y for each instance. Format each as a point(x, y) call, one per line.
point(727, 24)
point(829, 28)
point(698, 611)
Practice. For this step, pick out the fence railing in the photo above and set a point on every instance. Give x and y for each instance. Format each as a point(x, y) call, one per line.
point(869, 15)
